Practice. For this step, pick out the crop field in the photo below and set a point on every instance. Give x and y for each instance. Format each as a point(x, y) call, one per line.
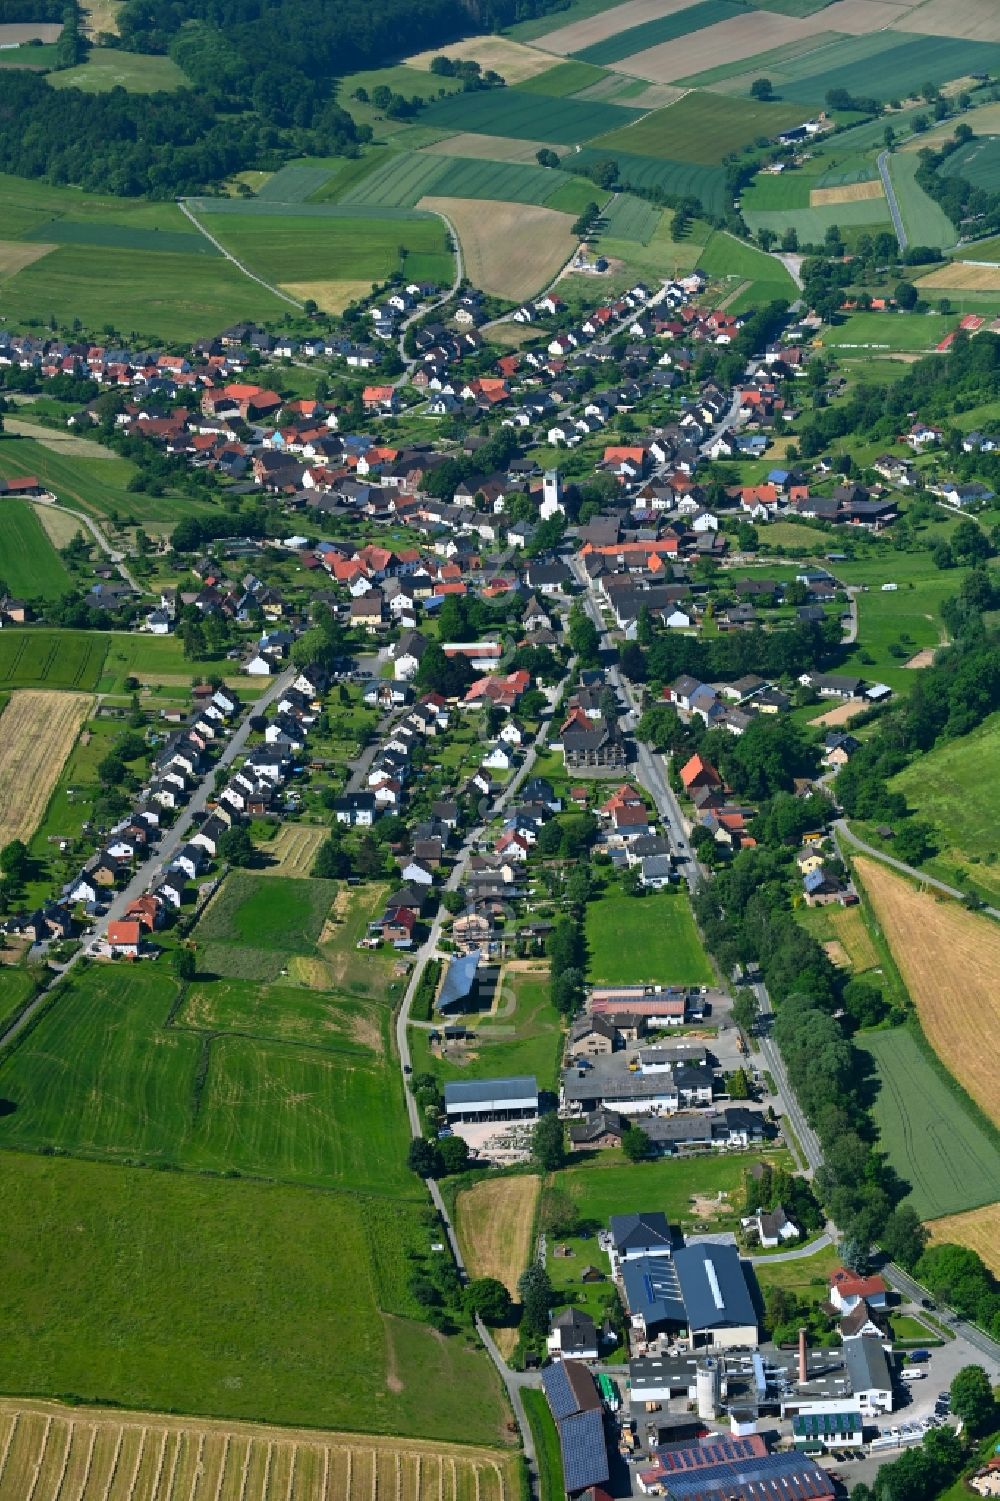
point(287, 1013)
point(512, 60)
point(919, 929)
point(888, 64)
point(495, 1220)
point(930, 1139)
point(979, 1229)
point(792, 190)
point(31, 566)
point(295, 183)
point(635, 939)
point(701, 128)
point(406, 178)
point(490, 148)
point(628, 218)
point(49, 1449)
point(725, 256)
point(103, 1073)
point(975, 19)
point(51, 659)
point(511, 250)
point(37, 732)
point(978, 161)
point(399, 181)
point(714, 46)
point(683, 178)
point(110, 68)
point(90, 479)
point(593, 22)
point(737, 75)
point(925, 221)
point(295, 246)
point(865, 215)
point(122, 237)
point(513, 112)
point(947, 787)
point(15, 255)
point(227, 1298)
point(661, 255)
point(567, 78)
point(15, 33)
point(962, 276)
point(293, 849)
point(849, 192)
point(663, 29)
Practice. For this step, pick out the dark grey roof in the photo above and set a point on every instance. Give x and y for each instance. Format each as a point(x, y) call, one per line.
point(473, 1091)
point(652, 1289)
point(792, 1477)
point(635, 1231)
point(459, 980)
point(584, 1450)
point(562, 1399)
point(867, 1364)
point(713, 1286)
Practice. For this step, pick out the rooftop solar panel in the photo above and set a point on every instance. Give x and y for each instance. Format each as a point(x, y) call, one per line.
point(584, 1450)
point(562, 1400)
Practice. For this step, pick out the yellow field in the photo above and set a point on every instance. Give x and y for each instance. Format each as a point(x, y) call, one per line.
point(848, 923)
point(39, 729)
point(512, 60)
point(58, 442)
point(961, 277)
point(979, 1229)
point(949, 959)
point(58, 525)
point(292, 850)
point(495, 1220)
point(510, 249)
point(53, 1453)
point(850, 192)
point(491, 148)
point(15, 255)
point(978, 20)
point(331, 296)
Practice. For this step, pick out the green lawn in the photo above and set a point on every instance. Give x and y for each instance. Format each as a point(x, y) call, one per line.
point(543, 1430)
point(111, 68)
point(956, 787)
point(645, 939)
point(16, 985)
point(30, 565)
point(725, 256)
point(286, 915)
point(885, 617)
point(178, 1293)
point(527, 1041)
point(931, 1140)
point(609, 1185)
point(806, 1278)
point(925, 221)
point(912, 332)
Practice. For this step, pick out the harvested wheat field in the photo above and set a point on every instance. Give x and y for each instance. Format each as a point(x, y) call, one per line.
point(39, 729)
point(853, 936)
point(494, 1226)
point(512, 60)
point(14, 33)
point(962, 276)
point(16, 254)
point(976, 20)
point(49, 1452)
point(490, 148)
point(608, 23)
point(979, 1229)
point(949, 959)
point(58, 525)
point(510, 249)
point(725, 42)
point(65, 443)
point(292, 850)
point(330, 296)
point(850, 192)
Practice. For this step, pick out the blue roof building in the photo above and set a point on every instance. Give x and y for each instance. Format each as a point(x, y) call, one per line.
point(459, 982)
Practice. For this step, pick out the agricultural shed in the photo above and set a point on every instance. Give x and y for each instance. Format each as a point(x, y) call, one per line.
point(492, 1099)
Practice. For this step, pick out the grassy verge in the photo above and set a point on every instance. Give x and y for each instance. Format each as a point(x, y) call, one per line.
point(543, 1431)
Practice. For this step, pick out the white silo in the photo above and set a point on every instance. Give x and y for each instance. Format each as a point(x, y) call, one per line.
point(708, 1387)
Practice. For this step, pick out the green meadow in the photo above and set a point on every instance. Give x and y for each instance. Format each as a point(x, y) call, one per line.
point(632, 940)
point(29, 564)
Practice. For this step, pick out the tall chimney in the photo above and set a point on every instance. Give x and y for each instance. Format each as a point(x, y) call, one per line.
point(803, 1359)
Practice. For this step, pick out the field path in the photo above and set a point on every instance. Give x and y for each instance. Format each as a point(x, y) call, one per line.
point(293, 301)
point(112, 553)
point(844, 832)
point(890, 192)
point(429, 307)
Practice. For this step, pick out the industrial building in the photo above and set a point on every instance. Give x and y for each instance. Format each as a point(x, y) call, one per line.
point(514, 1098)
point(699, 1291)
point(734, 1469)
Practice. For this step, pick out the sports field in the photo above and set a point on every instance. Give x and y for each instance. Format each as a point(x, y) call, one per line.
point(38, 729)
point(979, 1229)
point(176, 1292)
point(700, 128)
point(36, 658)
point(511, 250)
point(930, 1139)
point(29, 564)
point(513, 112)
point(947, 786)
point(651, 938)
point(919, 929)
point(128, 1455)
point(662, 29)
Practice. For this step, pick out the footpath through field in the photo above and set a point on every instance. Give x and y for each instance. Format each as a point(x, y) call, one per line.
point(842, 831)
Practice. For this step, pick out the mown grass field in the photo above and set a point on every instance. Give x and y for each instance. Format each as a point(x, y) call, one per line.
point(609, 1185)
point(929, 1138)
point(907, 332)
point(524, 1038)
point(131, 1454)
point(700, 128)
point(31, 567)
point(51, 659)
point(286, 247)
point(250, 910)
point(629, 218)
point(925, 221)
point(956, 789)
point(661, 29)
point(111, 68)
point(727, 258)
point(978, 161)
point(173, 1292)
point(652, 938)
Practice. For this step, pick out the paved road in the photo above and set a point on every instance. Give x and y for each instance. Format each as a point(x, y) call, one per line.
point(428, 307)
point(890, 193)
point(798, 1253)
point(763, 1044)
point(851, 630)
point(842, 831)
point(981, 1342)
point(166, 850)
